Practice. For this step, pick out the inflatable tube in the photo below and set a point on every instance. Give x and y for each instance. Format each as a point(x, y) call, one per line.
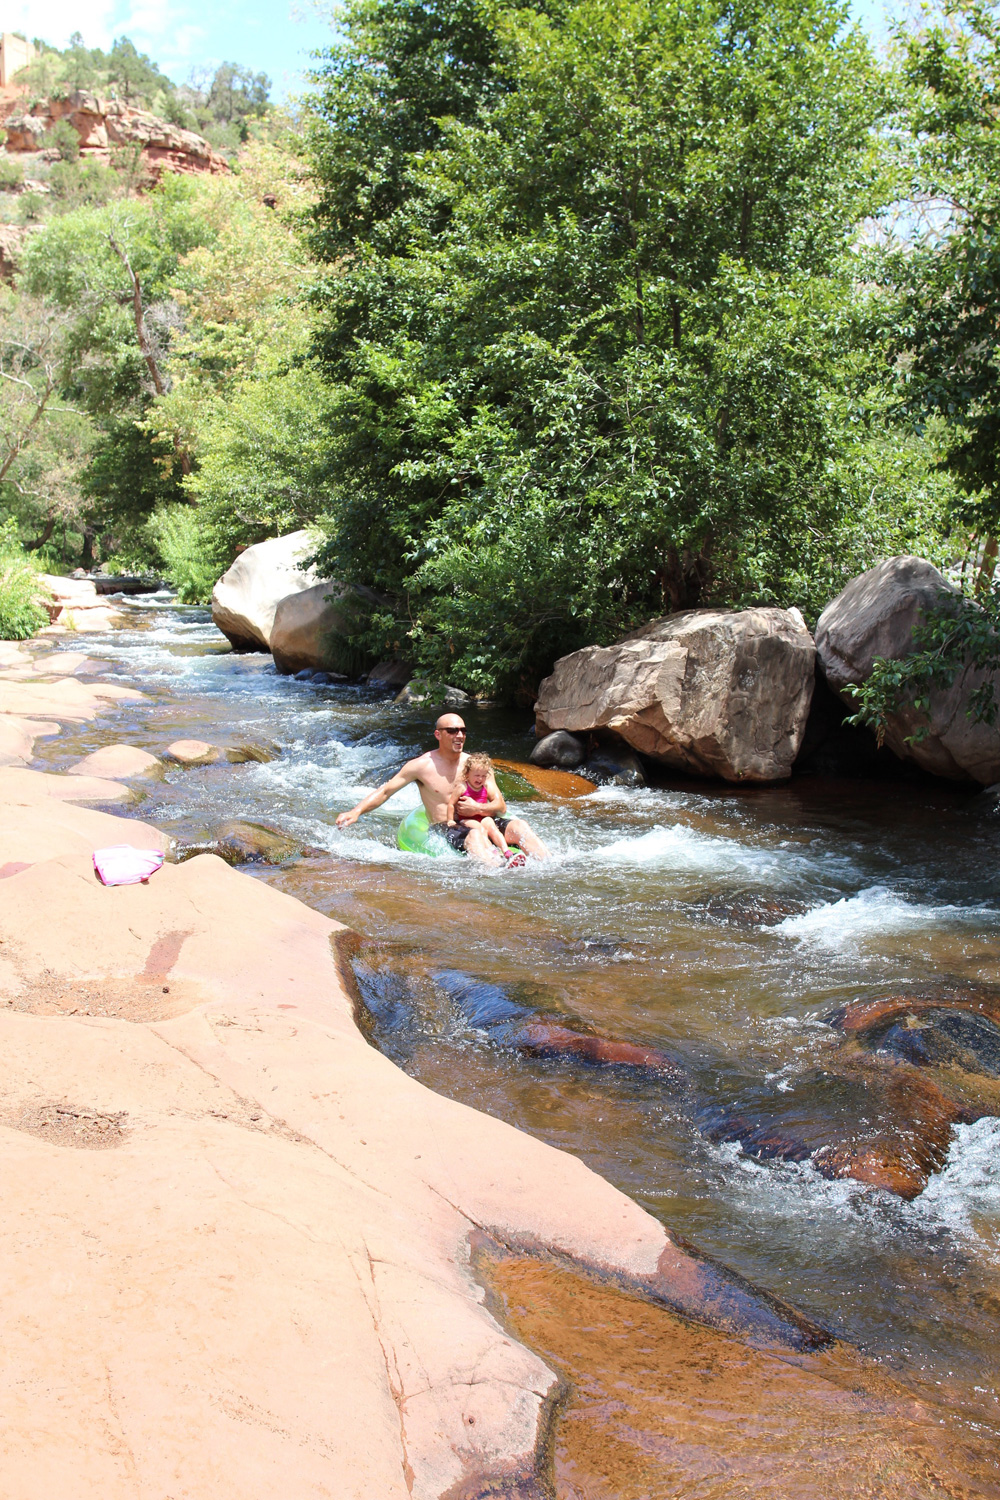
point(415, 837)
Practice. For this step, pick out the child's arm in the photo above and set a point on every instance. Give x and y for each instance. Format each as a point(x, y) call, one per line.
point(450, 818)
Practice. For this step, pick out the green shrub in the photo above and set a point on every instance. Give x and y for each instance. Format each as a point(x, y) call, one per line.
point(11, 174)
point(77, 183)
point(64, 139)
point(30, 207)
point(180, 542)
point(20, 613)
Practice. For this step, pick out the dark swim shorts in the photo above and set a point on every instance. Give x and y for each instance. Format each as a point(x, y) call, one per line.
point(457, 836)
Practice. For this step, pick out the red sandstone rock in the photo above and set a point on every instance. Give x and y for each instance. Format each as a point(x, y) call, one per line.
point(193, 753)
point(547, 780)
point(116, 762)
point(103, 125)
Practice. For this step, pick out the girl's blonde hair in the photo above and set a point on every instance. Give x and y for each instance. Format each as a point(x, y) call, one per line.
point(479, 761)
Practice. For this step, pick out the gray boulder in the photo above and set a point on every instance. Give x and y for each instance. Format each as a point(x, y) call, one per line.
point(246, 596)
point(709, 691)
point(874, 616)
point(560, 749)
point(390, 674)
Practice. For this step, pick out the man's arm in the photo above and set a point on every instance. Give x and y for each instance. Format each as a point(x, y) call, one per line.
point(375, 799)
point(470, 809)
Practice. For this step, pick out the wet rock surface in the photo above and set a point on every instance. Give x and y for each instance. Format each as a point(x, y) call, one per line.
point(507, 1023)
point(240, 843)
point(880, 1123)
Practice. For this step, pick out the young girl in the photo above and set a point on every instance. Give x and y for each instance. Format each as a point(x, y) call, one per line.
point(477, 768)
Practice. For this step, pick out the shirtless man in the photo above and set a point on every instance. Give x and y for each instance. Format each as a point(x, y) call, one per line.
point(438, 774)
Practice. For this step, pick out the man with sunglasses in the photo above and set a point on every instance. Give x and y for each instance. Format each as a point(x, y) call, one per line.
point(438, 774)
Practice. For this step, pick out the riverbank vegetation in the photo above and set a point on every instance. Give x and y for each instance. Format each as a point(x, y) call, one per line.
point(548, 319)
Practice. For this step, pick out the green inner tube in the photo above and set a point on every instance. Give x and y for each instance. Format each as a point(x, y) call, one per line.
point(415, 837)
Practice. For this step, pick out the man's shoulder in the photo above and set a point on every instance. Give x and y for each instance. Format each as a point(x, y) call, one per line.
point(421, 764)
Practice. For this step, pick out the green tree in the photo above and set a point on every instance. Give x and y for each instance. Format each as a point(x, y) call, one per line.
point(946, 270)
point(133, 73)
point(598, 349)
point(238, 93)
point(943, 264)
point(110, 270)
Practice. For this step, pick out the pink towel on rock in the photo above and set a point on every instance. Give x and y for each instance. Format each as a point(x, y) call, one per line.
point(123, 865)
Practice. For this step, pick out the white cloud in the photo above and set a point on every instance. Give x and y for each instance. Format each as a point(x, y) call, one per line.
point(94, 18)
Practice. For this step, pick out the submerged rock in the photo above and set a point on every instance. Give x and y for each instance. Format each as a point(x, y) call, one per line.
point(753, 908)
point(549, 782)
point(391, 675)
point(560, 749)
point(611, 765)
point(711, 692)
point(201, 753)
point(508, 1023)
point(940, 1036)
point(249, 751)
point(240, 843)
point(882, 1123)
point(247, 595)
point(875, 616)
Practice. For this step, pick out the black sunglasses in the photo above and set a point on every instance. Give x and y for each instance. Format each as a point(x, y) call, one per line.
point(446, 730)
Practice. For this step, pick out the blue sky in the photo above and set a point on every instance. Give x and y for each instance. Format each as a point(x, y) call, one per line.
point(273, 36)
point(270, 36)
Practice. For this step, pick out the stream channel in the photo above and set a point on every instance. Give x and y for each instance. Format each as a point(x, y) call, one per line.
point(721, 925)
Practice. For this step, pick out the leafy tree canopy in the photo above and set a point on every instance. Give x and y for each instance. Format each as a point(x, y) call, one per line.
point(595, 338)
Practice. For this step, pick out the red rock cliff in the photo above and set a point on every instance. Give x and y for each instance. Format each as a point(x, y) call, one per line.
point(104, 125)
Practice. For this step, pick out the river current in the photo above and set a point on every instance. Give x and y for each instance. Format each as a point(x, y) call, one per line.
point(722, 925)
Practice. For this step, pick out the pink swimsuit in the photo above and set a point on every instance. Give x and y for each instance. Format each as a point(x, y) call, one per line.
point(481, 796)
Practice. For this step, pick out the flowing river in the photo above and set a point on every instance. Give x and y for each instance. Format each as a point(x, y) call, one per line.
point(718, 924)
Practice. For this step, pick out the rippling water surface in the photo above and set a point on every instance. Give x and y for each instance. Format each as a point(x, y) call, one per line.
point(722, 925)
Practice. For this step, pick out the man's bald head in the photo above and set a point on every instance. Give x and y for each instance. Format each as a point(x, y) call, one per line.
point(449, 731)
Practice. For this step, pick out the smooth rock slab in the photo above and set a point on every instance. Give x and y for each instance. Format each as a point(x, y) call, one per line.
point(875, 616)
point(711, 692)
point(260, 1285)
point(64, 698)
point(116, 762)
point(26, 788)
point(18, 736)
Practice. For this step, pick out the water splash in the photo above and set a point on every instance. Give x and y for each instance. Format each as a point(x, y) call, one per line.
point(877, 912)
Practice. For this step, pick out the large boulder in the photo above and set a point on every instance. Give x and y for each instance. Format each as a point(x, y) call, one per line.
point(709, 691)
point(307, 624)
point(875, 616)
point(246, 596)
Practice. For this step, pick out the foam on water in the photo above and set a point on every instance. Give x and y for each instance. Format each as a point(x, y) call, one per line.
point(685, 850)
point(965, 1194)
point(873, 913)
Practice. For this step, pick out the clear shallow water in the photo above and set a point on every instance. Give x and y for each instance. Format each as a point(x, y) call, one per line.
point(644, 927)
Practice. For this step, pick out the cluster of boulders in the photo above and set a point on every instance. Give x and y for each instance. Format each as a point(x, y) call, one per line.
point(738, 695)
point(728, 693)
point(272, 599)
point(103, 125)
